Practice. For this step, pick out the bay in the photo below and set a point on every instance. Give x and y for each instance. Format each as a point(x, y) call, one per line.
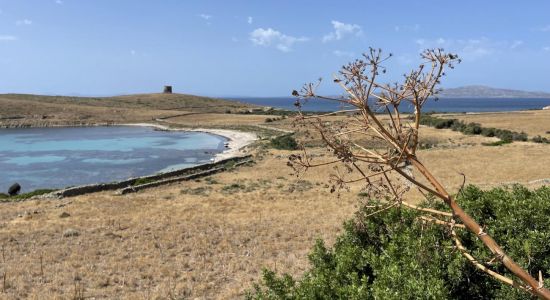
point(69, 156)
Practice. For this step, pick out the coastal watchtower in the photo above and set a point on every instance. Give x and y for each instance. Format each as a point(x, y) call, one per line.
point(167, 89)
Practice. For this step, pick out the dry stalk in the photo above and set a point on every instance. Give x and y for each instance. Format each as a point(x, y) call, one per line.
point(372, 112)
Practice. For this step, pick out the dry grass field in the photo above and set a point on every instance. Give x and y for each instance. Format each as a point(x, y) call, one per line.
point(210, 238)
point(33, 110)
point(207, 239)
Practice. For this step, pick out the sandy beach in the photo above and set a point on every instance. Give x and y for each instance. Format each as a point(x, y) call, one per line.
point(237, 140)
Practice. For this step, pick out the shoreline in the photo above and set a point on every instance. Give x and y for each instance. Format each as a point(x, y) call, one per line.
point(237, 140)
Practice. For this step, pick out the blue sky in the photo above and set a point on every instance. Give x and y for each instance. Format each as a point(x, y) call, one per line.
point(260, 48)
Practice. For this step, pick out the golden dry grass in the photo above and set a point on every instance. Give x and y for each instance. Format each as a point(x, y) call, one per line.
point(34, 110)
point(165, 242)
point(210, 239)
point(198, 120)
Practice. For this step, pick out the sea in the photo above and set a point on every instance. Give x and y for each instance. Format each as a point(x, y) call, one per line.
point(451, 105)
point(60, 157)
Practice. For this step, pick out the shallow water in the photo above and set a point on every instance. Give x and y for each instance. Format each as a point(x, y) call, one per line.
point(68, 156)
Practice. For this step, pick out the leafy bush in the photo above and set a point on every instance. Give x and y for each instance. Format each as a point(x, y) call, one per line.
point(393, 255)
point(284, 142)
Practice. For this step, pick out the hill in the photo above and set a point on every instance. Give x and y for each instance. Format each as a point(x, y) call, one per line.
point(37, 110)
point(480, 91)
point(151, 101)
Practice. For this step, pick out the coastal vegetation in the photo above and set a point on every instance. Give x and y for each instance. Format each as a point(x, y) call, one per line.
point(386, 173)
point(505, 135)
point(389, 254)
point(23, 196)
point(284, 142)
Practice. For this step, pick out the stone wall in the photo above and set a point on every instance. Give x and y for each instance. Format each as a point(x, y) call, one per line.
point(161, 178)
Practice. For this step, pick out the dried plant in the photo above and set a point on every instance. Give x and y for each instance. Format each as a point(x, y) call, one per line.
point(374, 143)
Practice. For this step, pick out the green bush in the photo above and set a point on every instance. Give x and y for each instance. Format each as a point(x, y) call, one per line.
point(393, 255)
point(507, 136)
point(540, 139)
point(284, 142)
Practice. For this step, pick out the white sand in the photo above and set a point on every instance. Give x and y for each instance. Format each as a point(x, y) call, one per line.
point(237, 140)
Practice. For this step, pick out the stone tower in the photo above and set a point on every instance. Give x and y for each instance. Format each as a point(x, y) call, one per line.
point(167, 89)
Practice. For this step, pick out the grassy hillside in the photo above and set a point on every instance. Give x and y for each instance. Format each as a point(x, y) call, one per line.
point(36, 110)
point(150, 101)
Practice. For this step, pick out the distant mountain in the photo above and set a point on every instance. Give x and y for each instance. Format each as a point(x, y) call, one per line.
point(480, 91)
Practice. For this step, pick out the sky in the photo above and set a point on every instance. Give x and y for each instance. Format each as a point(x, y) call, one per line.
point(260, 48)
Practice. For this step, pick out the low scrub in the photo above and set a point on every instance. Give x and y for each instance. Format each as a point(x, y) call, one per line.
point(395, 255)
point(540, 139)
point(284, 142)
point(6, 197)
point(141, 181)
point(473, 128)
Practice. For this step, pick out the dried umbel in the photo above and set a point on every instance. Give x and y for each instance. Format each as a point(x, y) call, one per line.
point(371, 143)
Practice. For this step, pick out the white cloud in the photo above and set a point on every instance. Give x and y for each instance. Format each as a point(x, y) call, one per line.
point(516, 44)
point(413, 28)
point(58, 2)
point(7, 38)
point(133, 52)
point(250, 20)
point(23, 22)
point(470, 49)
point(547, 48)
point(205, 16)
point(543, 28)
point(270, 37)
point(341, 30)
point(234, 39)
point(340, 53)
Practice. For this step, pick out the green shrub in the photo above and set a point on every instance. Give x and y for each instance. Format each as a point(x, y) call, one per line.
point(393, 255)
point(141, 181)
point(540, 139)
point(6, 197)
point(284, 142)
point(473, 128)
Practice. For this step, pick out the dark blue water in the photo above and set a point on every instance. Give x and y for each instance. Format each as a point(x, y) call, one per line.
point(61, 157)
point(441, 105)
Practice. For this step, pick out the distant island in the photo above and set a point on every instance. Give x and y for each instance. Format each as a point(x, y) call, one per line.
point(480, 91)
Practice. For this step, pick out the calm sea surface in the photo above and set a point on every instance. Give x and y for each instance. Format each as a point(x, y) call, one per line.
point(61, 157)
point(441, 105)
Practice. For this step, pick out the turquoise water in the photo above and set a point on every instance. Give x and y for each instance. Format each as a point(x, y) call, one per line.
point(61, 157)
